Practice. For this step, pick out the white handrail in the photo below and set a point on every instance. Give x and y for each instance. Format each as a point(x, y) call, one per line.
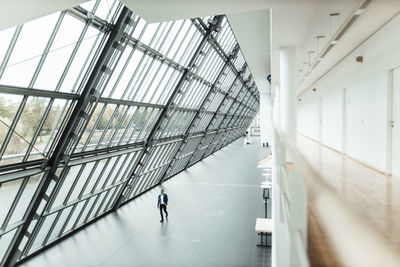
point(354, 241)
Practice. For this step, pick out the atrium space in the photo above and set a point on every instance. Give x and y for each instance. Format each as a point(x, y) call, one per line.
point(200, 133)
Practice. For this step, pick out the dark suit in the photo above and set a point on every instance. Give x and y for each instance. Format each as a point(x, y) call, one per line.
point(163, 206)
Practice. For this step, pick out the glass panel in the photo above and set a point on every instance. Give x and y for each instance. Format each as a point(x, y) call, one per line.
point(5, 241)
point(8, 108)
point(149, 33)
point(8, 191)
point(97, 125)
point(170, 36)
point(123, 127)
point(105, 9)
point(106, 173)
point(50, 128)
point(25, 130)
point(44, 230)
point(68, 181)
point(120, 163)
point(59, 53)
point(97, 205)
point(81, 61)
point(5, 37)
point(95, 176)
point(27, 51)
point(74, 217)
point(25, 198)
point(82, 180)
point(86, 210)
point(60, 223)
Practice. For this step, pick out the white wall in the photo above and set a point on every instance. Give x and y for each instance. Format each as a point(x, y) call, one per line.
point(366, 99)
point(331, 119)
point(307, 117)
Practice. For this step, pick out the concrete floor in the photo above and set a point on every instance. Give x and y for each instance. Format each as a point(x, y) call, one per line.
point(212, 208)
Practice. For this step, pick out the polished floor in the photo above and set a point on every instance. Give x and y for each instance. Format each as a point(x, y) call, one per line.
point(372, 194)
point(212, 209)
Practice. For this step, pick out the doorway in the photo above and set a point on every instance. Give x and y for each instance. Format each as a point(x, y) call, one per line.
point(394, 123)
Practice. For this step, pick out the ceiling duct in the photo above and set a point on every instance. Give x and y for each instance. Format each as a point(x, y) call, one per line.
point(326, 51)
point(315, 65)
point(353, 19)
point(334, 40)
point(366, 4)
point(346, 27)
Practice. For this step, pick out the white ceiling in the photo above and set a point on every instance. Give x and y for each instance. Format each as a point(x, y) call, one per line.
point(253, 42)
point(15, 12)
point(294, 23)
point(377, 15)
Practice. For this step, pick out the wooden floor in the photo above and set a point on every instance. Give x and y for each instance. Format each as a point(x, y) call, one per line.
point(374, 194)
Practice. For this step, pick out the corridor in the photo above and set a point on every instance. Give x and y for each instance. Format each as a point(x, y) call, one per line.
point(371, 193)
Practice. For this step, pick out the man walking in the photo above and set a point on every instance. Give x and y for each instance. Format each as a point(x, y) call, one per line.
point(162, 204)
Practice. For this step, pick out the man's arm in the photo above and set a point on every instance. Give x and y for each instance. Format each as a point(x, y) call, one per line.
point(158, 202)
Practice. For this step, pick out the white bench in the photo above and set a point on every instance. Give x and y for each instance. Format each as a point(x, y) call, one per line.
point(264, 227)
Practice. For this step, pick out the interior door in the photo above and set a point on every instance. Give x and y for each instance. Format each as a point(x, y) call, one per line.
point(396, 123)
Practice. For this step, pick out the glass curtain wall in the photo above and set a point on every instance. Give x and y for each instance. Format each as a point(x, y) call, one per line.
point(98, 107)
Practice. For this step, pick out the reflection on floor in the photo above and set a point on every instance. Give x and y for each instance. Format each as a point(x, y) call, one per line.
point(212, 212)
point(374, 194)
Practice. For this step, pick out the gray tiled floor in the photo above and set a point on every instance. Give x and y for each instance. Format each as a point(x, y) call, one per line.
point(212, 208)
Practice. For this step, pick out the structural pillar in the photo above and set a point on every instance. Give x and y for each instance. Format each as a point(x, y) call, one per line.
point(288, 93)
point(265, 112)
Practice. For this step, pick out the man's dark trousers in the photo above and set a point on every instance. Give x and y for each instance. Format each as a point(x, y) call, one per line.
point(163, 207)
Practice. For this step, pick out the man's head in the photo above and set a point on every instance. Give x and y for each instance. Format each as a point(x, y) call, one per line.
point(162, 191)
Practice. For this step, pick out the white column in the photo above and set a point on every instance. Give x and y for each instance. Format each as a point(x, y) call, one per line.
point(265, 112)
point(276, 107)
point(288, 92)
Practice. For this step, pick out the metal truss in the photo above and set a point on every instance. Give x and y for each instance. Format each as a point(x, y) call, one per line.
point(103, 107)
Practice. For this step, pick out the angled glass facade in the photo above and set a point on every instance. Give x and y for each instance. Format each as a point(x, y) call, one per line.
point(97, 107)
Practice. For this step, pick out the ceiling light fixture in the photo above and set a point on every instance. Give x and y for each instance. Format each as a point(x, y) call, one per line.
point(318, 38)
point(309, 57)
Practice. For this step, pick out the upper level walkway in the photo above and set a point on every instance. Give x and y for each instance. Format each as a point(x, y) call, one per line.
point(212, 209)
point(373, 194)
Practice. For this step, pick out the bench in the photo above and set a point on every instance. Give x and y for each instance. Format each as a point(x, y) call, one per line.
point(264, 227)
